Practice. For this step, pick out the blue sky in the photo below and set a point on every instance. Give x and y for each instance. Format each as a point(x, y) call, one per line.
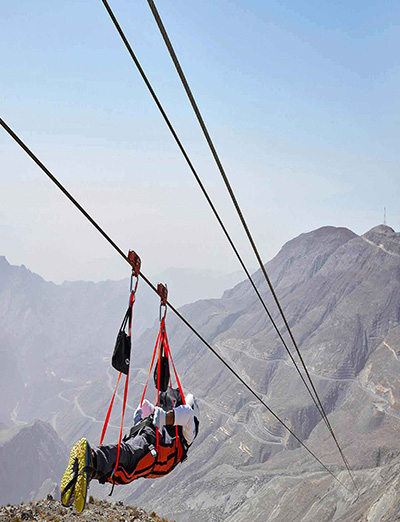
point(301, 99)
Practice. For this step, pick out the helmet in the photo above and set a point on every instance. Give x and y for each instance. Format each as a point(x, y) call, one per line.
point(193, 403)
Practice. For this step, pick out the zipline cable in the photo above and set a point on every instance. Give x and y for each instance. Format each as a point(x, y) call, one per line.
point(148, 282)
point(179, 143)
point(205, 193)
point(221, 169)
point(316, 400)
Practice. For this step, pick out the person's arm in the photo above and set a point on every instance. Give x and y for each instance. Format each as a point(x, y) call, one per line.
point(181, 416)
point(184, 416)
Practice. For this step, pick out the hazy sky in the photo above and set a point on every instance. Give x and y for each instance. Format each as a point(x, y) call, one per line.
point(301, 98)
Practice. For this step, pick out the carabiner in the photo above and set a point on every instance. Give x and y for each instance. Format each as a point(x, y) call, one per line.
point(161, 317)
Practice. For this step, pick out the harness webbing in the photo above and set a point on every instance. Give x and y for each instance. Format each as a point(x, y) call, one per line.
point(173, 399)
point(151, 367)
point(169, 355)
point(109, 411)
point(158, 390)
point(129, 315)
point(122, 420)
point(161, 345)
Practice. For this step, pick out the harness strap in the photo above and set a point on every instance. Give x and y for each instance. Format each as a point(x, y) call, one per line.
point(173, 403)
point(109, 411)
point(122, 420)
point(158, 382)
point(161, 345)
point(127, 318)
point(169, 355)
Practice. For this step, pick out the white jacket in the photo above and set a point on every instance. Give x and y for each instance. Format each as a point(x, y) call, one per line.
point(184, 416)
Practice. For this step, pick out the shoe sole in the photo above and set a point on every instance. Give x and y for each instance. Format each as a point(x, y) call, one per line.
point(68, 497)
point(79, 458)
point(81, 487)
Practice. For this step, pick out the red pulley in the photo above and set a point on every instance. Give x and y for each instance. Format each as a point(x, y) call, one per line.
point(163, 293)
point(135, 262)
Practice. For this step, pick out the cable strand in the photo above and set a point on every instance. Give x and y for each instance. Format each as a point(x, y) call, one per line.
point(206, 195)
point(174, 310)
point(315, 398)
point(241, 216)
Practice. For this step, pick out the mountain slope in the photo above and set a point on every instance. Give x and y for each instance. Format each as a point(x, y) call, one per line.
point(340, 295)
point(29, 456)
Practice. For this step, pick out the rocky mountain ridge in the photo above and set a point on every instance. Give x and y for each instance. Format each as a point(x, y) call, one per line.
point(340, 294)
point(32, 460)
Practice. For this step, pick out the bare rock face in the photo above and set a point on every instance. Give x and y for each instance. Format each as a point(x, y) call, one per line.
point(384, 237)
point(30, 456)
point(48, 488)
point(340, 293)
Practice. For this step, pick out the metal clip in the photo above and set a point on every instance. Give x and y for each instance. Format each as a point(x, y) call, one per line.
point(153, 451)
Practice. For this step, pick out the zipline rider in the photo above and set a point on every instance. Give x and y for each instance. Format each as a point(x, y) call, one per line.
point(138, 456)
point(161, 434)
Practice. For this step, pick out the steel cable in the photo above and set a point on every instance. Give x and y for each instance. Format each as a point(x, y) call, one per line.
point(205, 193)
point(148, 282)
point(221, 169)
point(315, 399)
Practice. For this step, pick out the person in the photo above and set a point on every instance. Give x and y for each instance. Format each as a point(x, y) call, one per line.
point(142, 452)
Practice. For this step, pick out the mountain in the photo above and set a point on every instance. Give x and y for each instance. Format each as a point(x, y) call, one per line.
point(340, 295)
point(32, 460)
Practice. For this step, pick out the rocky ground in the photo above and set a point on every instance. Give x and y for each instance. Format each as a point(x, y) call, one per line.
point(96, 511)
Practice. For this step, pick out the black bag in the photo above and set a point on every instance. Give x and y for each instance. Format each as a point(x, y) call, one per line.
point(122, 350)
point(164, 374)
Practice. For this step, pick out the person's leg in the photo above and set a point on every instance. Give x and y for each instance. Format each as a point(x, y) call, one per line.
point(105, 457)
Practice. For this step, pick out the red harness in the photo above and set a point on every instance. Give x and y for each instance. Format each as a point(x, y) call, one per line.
point(168, 456)
point(162, 459)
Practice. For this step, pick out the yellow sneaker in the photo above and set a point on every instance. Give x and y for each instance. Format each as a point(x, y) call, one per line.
point(75, 481)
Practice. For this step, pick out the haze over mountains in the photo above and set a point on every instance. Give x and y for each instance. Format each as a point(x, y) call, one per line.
point(340, 292)
point(188, 285)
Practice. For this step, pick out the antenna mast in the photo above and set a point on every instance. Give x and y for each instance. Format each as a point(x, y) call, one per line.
point(384, 216)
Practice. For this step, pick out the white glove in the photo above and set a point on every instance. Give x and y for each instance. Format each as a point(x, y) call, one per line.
point(142, 412)
point(147, 408)
point(160, 417)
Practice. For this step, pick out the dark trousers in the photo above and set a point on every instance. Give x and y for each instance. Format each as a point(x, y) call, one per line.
point(130, 454)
